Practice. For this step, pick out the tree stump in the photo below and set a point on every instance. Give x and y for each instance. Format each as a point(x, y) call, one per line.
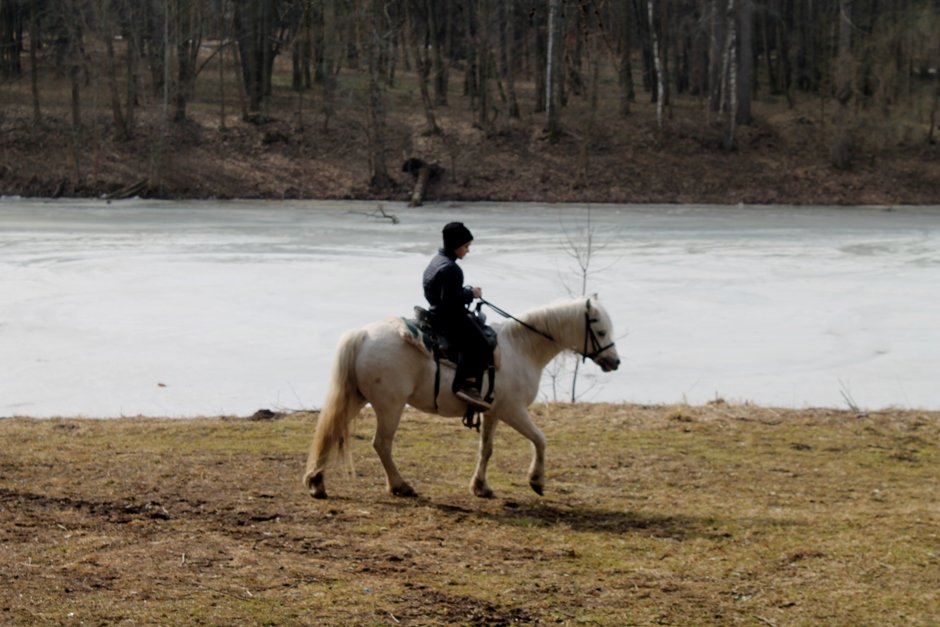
point(424, 174)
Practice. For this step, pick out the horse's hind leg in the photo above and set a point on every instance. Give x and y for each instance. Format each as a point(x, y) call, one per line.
point(388, 415)
point(478, 484)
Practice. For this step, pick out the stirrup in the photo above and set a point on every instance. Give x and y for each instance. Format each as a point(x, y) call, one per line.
point(471, 418)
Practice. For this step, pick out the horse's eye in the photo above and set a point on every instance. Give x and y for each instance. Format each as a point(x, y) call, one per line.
point(602, 334)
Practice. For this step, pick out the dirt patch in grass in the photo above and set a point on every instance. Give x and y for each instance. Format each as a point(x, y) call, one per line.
point(666, 515)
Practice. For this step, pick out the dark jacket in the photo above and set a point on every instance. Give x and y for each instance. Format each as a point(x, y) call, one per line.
point(444, 288)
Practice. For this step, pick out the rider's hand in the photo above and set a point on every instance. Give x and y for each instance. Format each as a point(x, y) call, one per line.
point(477, 292)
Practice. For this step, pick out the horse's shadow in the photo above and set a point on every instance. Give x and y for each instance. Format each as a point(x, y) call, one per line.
point(581, 518)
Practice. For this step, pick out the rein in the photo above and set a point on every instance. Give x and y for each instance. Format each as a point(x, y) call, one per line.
point(589, 335)
point(506, 314)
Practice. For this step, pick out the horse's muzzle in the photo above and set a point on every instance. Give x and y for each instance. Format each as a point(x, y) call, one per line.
point(608, 364)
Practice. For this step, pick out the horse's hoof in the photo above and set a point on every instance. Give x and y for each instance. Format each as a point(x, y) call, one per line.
point(481, 490)
point(537, 488)
point(316, 485)
point(404, 490)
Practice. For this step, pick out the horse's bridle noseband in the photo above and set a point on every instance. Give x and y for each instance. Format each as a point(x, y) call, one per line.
point(590, 335)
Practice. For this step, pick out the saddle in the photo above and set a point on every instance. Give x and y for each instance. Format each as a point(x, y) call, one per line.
point(421, 333)
point(422, 328)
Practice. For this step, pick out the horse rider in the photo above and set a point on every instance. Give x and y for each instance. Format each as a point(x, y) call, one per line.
point(449, 298)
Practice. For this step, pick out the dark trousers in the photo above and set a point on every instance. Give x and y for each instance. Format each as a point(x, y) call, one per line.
point(465, 335)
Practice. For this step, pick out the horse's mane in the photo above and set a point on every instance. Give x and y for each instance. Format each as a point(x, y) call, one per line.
point(550, 319)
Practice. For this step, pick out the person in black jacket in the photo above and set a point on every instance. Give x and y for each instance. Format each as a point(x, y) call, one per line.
point(449, 298)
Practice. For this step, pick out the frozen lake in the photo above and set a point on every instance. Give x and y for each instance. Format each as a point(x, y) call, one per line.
point(203, 308)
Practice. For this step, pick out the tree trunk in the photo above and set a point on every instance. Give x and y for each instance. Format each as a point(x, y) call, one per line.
point(786, 61)
point(471, 47)
point(540, 26)
point(221, 54)
point(552, 69)
point(625, 69)
point(768, 35)
point(507, 57)
point(657, 64)
point(120, 126)
point(936, 99)
point(729, 92)
point(131, 63)
point(716, 54)
point(11, 39)
point(76, 108)
point(437, 38)
point(259, 43)
point(377, 31)
point(418, 33)
point(575, 66)
point(33, 68)
point(933, 112)
point(328, 64)
point(841, 153)
point(188, 41)
point(483, 64)
point(421, 186)
point(746, 62)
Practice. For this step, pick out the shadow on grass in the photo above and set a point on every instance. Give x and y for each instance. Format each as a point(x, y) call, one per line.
point(579, 518)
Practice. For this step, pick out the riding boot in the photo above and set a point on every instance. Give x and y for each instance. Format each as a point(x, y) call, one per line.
point(468, 390)
point(472, 397)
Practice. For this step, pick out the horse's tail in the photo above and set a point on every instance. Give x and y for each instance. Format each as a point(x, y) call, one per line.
point(343, 402)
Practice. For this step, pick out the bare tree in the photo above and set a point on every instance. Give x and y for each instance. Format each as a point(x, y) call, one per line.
point(936, 96)
point(105, 19)
point(188, 27)
point(729, 76)
point(715, 16)
point(13, 16)
point(657, 63)
point(583, 247)
point(745, 62)
point(625, 58)
point(841, 145)
point(418, 31)
point(261, 34)
point(553, 68)
point(378, 32)
point(33, 67)
point(507, 56)
point(438, 28)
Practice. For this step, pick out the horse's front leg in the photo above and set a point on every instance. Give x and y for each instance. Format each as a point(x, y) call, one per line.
point(388, 415)
point(522, 422)
point(478, 484)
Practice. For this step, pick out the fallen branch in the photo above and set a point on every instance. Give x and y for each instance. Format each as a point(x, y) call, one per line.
point(126, 192)
point(379, 213)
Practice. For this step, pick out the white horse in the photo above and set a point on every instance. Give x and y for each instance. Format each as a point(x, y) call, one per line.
point(377, 364)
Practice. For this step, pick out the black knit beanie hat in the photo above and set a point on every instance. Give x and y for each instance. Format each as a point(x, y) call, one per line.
point(456, 235)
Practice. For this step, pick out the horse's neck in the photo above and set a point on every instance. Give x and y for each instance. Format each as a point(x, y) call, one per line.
point(553, 321)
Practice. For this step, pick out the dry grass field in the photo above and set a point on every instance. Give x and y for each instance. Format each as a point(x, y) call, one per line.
point(674, 515)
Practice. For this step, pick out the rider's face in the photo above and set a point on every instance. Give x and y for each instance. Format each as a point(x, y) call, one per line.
point(461, 252)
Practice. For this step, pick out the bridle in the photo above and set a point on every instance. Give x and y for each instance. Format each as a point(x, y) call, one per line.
point(590, 336)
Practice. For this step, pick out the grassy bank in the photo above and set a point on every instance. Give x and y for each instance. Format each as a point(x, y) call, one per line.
point(664, 515)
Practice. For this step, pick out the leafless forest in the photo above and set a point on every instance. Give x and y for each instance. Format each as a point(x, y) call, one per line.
point(123, 69)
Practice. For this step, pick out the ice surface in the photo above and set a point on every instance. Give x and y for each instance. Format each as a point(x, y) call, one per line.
point(204, 308)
